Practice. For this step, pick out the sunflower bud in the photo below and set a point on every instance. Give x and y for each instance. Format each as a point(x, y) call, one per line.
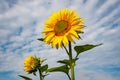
point(31, 64)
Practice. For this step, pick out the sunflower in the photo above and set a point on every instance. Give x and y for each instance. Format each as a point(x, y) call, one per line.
point(30, 63)
point(62, 27)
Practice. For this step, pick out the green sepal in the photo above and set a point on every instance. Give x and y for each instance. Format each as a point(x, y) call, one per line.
point(45, 75)
point(34, 73)
point(83, 48)
point(80, 32)
point(40, 39)
point(25, 78)
point(66, 61)
point(43, 60)
point(63, 69)
point(44, 68)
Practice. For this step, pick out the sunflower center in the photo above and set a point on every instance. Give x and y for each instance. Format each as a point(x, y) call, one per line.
point(61, 26)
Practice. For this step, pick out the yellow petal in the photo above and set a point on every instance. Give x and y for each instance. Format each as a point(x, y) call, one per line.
point(49, 37)
point(55, 41)
point(59, 16)
point(73, 33)
point(70, 38)
point(77, 28)
point(65, 40)
point(46, 30)
point(57, 35)
point(54, 16)
point(60, 41)
point(81, 21)
point(48, 23)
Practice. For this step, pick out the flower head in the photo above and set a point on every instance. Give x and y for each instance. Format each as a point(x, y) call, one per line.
point(62, 27)
point(30, 63)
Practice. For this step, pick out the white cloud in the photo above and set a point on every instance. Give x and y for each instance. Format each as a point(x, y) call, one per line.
point(31, 14)
point(93, 75)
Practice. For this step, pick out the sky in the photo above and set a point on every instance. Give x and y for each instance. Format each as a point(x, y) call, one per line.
point(21, 24)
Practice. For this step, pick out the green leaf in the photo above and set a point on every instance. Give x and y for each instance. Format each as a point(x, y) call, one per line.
point(25, 78)
point(75, 59)
point(45, 75)
point(41, 39)
point(44, 68)
point(34, 73)
point(82, 48)
point(44, 60)
point(67, 62)
point(63, 69)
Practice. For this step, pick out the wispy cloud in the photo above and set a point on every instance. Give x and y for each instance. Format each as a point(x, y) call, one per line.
point(21, 22)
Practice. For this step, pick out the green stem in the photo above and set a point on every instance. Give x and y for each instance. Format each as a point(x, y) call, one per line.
point(71, 62)
point(72, 73)
point(69, 76)
point(66, 50)
point(40, 74)
point(68, 55)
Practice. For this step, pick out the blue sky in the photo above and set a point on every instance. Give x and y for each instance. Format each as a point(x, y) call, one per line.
point(22, 21)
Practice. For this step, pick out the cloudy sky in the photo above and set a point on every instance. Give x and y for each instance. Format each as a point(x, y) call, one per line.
point(22, 21)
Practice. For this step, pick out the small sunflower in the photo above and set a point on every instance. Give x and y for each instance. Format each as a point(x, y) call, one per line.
point(30, 63)
point(62, 27)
